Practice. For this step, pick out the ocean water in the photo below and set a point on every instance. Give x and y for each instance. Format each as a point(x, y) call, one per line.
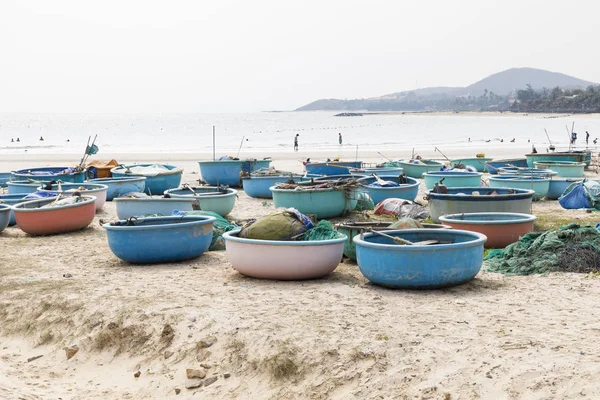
point(275, 131)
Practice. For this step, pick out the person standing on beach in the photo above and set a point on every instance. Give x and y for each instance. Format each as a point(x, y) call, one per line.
point(587, 137)
point(340, 138)
point(296, 142)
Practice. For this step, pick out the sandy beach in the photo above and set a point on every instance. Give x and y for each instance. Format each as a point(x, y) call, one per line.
point(138, 328)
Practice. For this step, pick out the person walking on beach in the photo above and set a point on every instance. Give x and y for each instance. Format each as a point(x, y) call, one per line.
point(296, 142)
point(340, 138)
point(573, 138)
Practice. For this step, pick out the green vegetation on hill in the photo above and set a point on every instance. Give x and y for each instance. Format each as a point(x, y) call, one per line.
point(558, 100)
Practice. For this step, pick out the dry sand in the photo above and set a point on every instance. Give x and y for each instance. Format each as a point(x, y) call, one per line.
point(339, 337)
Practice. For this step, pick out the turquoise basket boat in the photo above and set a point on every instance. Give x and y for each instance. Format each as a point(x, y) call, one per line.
point(584, 156)
point(456, 260)
point(5, 211)
point(407, 191)
point(324, 203)
point(452, 178)
point(207, 198)
point(4, 177)
point(332, 167)
point(354, 228)
point(228, 172)
point(47, 174)
point(558, 186)
point(378, 171)
point(260, 186)
point(416, 168)
point(22, 187)
point(526, 171)
point(156, 183)
point(479, 163)
point(539, 185)
point(160, 239)
point(492, 166)
point(479, 199)
point(564, 169)
point(120, 186)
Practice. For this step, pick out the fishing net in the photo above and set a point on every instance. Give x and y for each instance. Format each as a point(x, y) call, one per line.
point(279, 225)
point(570, 248)
point(364, 202)
point(323, 231)
point(391, 164)
point(406, 223)
point(220, 226)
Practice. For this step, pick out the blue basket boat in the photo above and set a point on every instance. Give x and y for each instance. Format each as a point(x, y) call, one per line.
point(526, 171)
point(260, 186)
point(4, 177)
point(160, 239)
point(207, 198)
point(479, 199)
point(479, 163)
point(416, 168)
point(324, 203)
point(378, 171)
point(584, 156)
point(407, 191)
point(120, 186)
point(156, 182)
point(538, 184)
point(492, 166)
point(332, 167)
point(456, 260)
point(22, 187)
point(452, 179)
point(138, 207)
point(228, 172)
point(558, 186)
point(5, 211)
point(47, 174)
point(564, 169)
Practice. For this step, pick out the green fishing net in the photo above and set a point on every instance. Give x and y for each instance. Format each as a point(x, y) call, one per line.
point(323, 231)
point(220, 226)
point(570, 248)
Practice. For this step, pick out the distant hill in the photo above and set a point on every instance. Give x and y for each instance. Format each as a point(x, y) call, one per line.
point(501, 84)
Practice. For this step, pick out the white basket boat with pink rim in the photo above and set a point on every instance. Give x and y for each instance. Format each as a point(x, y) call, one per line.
point(283, 260)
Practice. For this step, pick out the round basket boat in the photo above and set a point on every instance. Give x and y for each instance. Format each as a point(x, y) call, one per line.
point(353, 229)
point(48, 174)
point(479, 199)
point(207, 198)
point(416, 168)
point(501, 229)
point(35, 220)
point(332, 167)
point(228, 172)
point(457, 259)
point(160, 239)
point(5, 211)
point(526, 171)
point(22, 187)
point(370, 171)
point(120, 186)
point(4, 177)
point(564, 169)
point(283, 260)
point(260, 186)
point(157, 181)
point(538, 184)
point(452, 179)
point(137, 207)
point(479, 163)
point(407, 191)
point(324, 203)
point(558, 186)
point(492, 166)
point(90, 189)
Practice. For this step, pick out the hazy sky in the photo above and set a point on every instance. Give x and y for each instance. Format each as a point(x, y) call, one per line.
point(231, 56)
